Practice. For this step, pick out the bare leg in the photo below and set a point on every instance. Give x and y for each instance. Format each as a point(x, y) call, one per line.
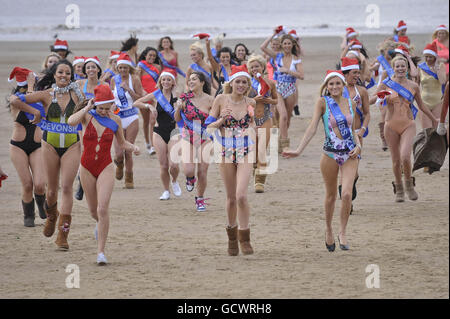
point(406, 142)
point(161, 149)
point(130, 135)
point(105, 185)
point(348, 172)
point(70, 162)
point(329, 169)
point(228, 173)
point(393, 141)
point(243, 175)
point(21, 164)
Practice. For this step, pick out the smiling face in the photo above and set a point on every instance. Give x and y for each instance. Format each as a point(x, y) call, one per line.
point(151, 56)
point(51, 61)
point(442, 35)
point(352, 76)
point(275, 45)
point(287, 45)
point(104, 109)
point(92, 69)
point(240, 85)
point(430, 59)
point(195, 56)
point(335, 86)
point(62, 75)
point(400, 68)
point(255, 67)
point(167, 82)
point(78, 69)
point(225, 58)
point(123, 69)
point(240, 52)
point(166, 44)
point(194, 83)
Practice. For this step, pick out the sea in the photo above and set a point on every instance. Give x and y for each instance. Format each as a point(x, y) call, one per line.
point(43, 20)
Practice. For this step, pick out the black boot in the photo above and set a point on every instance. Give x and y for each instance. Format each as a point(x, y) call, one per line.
point(354, 192)
point(79, 194)
point(40, 200)
point(28, 213)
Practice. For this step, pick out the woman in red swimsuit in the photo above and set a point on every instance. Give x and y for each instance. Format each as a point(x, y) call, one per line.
point(165, 47)
point(100, 126)
point(440, 36)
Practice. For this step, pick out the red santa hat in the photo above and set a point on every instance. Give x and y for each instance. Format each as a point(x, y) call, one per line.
point(402, 49)
point(333, 73)
point(431, 48)
point(124, 59)
point(442, 27)
point(78, 59)
point(355, 44)
point(263, 86)
point(383, 94)
point(114, 54)
point(349, 64)
point(293, 33)
point(61, 45)
point(20, 74)
point(401, 25)
point(103, 94)
point(164, 73)
point(351, 32)
point(237, 71)
point(93, 59)
point(202, 36)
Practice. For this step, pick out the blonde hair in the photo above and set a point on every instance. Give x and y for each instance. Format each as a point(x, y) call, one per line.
point(196, 46)
point(131, 69)
point(323, 91)
point(44, 64)
point(227, 88)
point(399, 57)
point(159, 85)
point(434, 36)
point(219, 39)
point(259, 59)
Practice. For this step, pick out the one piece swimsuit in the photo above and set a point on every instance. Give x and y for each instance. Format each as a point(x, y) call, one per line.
point(192, 113)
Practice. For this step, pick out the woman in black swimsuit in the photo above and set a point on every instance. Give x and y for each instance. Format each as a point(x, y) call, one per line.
point(162, 133)
point(25, 153)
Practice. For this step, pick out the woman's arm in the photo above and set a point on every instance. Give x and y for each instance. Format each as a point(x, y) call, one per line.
point(310, 131)
point(264, 47)
point(214, 65)
point(138, 89)
point(422, 107)
point(146, 102)
point(365, 111)
point(80, 116)
point(179, 105)
point(217, 113)
point(357, 139)
point(36, 97)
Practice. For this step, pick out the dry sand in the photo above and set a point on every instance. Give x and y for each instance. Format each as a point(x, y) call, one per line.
point(168, 250)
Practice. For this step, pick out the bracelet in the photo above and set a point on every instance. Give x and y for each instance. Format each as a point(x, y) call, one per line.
point(363, 127)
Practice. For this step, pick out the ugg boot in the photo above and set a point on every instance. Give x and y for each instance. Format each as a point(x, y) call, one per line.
point(40, 201)
point(233, 247)
point(244, 241)
point(52, 218)
point(260, 180)
point(409, 187)
point(129, 180)
point(63, 231)
point(119, 169)
point(383, 140)
point(399, 192)
point(28, 213)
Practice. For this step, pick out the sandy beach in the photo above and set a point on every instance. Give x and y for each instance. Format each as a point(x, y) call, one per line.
point(165, 249)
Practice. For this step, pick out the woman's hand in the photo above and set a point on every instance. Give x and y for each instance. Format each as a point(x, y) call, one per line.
point(90, 105)
point(37, 117)
point(225, 112)
point(136, 150)
point(290, 153)
point(355, 152)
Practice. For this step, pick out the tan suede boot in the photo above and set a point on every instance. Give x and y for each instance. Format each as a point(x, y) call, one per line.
point(233, 247)
point(384, 146)
point(409, 187)
point(244, 241)
point(129, 183)
point(399, 192)
point(260, 180)
point(119, 169)
point(52, 218)
point(63, 231)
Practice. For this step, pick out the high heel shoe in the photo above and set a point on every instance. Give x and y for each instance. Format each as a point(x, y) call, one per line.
point(341, 246)
point(331, 247)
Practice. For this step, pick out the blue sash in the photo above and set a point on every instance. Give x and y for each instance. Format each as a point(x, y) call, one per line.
point(346, 94)
point(371, 84)
point(37, 106)
point(385, 64)
point(78, 77)
point(275, 68)
point(170, 66)
point(424, 66)
point(198, 68)
point(225, 73)
point(153, 74)
point(341, 121)
point(128, 112)
point(61, 128)
point(214, 54)
point(105, 121)
point(395, 38)
point(403, 93)
point(166, 106)
point(110, 72)
point(235, 142)
point(121, 92)
point(87, 94)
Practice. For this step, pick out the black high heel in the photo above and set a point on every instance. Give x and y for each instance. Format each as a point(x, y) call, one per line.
point(331, 247)
point(341, 246)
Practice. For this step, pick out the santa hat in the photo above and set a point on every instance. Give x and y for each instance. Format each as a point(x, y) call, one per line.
point(61, 45)
point(124, 59)
point(401, 25)
point(293, 33)
point(355, 44)
point(103, 94)
point(202, 36)
point(279, 31)
point(264, 86)
point(114, 54)
point(442, 27)
point(168, 74)
point(349, 64)
point(401, 49)
point(78, 59)
point(431, 48)
point(351, 32)
point(20, 74)
point(383, 94)
point(93, 59)
point(237, 71)
point(355, 53)
point(333, 73)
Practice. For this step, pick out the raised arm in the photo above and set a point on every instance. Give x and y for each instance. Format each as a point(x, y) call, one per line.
point(264, 47)
point(214, 65)
point(80, 115)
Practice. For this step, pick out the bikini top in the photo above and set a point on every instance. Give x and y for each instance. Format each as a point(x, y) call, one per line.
point(231, 122)
point(54, 110)
point(86, 93)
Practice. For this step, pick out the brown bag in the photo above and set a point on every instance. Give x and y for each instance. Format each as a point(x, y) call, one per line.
point(430, 150)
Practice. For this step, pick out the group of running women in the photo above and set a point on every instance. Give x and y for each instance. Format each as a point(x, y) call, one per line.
point(228, 102)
